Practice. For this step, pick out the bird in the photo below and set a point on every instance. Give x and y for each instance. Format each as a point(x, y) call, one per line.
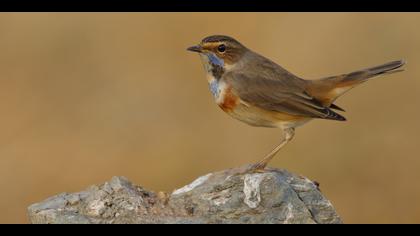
point(257, 91)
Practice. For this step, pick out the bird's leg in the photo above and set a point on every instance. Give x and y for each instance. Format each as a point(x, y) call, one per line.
point(260, 166)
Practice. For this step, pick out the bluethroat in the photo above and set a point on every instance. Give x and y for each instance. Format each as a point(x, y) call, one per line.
point(259, 92)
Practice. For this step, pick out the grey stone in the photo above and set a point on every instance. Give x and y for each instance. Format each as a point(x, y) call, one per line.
point(230, 196)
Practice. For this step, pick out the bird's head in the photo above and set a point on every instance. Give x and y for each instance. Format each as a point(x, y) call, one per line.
point(219, 52)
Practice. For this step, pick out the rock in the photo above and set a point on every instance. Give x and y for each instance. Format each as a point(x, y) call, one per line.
point(230, 196)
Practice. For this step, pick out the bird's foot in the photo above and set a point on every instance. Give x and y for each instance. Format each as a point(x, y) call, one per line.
point(258, 167)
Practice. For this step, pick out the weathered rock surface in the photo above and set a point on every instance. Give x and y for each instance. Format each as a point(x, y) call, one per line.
point(230, 196)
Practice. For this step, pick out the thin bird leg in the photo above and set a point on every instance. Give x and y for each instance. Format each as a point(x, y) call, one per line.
point(260, 166)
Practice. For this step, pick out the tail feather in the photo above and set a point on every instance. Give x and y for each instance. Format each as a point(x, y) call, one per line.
point(327, 90)
point(365, 74)
point(333, 106)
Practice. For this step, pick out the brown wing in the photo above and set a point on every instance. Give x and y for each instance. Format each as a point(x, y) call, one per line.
point(278, 96)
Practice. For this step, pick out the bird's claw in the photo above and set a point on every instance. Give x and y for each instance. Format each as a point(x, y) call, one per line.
point(256, 168)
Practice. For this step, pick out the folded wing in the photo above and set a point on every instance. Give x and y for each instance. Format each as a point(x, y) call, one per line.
point(279, 96)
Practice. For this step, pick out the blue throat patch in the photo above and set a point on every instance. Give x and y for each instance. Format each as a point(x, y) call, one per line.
point(214, 88)
point(215, 60)
point(217, 65)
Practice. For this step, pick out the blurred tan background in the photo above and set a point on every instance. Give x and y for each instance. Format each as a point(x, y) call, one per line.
point(84, 97)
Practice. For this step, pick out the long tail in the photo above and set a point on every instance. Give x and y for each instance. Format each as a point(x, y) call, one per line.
point(327, 90)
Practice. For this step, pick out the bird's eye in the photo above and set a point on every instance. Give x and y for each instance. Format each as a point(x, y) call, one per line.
point(221, 48)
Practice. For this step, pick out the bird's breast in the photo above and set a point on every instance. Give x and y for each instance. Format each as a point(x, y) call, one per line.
point(230, 103)
point(223, 95)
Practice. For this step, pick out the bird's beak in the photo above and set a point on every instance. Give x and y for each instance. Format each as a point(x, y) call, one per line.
point(196, 48)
